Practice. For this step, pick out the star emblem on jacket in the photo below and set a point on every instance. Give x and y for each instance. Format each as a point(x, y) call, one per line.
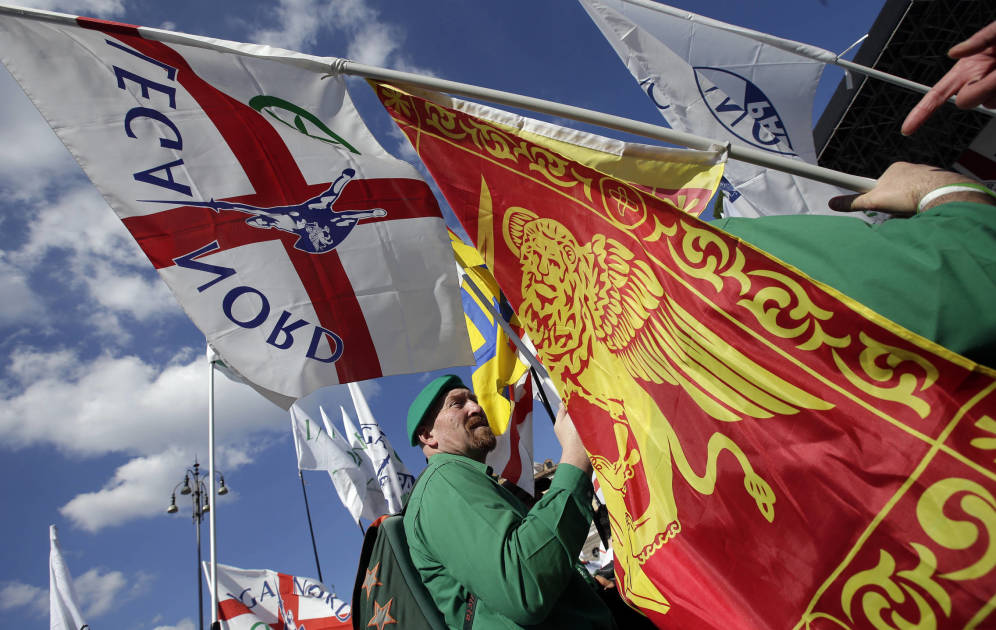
point(370, 581)
point(382, 615)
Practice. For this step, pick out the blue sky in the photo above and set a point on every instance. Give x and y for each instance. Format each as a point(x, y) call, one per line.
point(103, 378)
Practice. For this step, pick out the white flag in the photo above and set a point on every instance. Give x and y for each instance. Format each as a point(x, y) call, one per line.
point(250, 599)
point(374, 501)
point(321, 449)
point(63, 609)
point(722, 85)
point(306, 254)
point(395, 481)
point(512, 457)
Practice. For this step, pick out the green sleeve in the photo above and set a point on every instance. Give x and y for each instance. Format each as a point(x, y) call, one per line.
point(934, 274)
point(518, 564)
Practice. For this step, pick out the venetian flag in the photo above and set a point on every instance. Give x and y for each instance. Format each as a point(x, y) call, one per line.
point(64, 611)
point(772, 454)
point(718, 83)
point(392, 475)
point(251, 599)
point(306, 254)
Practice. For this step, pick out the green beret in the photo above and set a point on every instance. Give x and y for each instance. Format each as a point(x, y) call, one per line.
point(427, 398)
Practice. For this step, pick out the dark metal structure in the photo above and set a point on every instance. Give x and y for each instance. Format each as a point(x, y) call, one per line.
point(858, 132)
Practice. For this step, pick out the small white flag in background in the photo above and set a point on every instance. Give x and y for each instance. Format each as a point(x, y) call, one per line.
point(320, 448)
point(306, 254)
point(716, 83)
point(374, 501)
point(392, 475)
point(63, 608)
point(260, 599)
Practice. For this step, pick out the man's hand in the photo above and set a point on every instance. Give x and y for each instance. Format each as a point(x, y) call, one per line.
point(972, 78)
point(902, 186)
point(570, 442)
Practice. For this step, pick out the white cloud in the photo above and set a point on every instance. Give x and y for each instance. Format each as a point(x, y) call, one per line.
point(19, 303)
point(18, 594)
point(123, 405)
point(185, 624)
point(99, 591)
point(297, 23)
point(374, 44)
point(119, 404)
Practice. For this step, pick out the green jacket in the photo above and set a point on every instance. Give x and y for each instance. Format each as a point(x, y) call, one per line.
point(468, 534)
point(934, 273)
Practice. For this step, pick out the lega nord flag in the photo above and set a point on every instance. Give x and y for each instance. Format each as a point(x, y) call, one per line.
point(64, 609)
point(324, 448)
point(772, 454)
point(720, 84)
point(261, 599)
point(393, 478)
point(306, 254)
point(360, 475)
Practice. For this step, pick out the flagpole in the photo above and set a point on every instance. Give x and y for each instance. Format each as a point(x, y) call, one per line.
point(307, 510)
point(335, 65)
point(797, 48)
point(211, 497)
point(542, 393)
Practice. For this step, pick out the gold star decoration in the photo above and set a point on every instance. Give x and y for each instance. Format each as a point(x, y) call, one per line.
point(370, 580)
point(382, 615)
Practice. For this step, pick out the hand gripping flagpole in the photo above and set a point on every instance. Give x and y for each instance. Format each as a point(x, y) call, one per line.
point(342, 66)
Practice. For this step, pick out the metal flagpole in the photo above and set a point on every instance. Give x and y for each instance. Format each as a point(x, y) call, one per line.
point(307, 510)
point(336, 65)
point(211, 497)
point(798, 48)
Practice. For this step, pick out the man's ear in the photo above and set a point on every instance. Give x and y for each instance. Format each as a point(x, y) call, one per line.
point(426, 437)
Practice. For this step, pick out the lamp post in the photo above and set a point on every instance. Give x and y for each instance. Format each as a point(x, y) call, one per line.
point(194, 486)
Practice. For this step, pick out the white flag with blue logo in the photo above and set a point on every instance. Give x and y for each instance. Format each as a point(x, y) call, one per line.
point(395, 481)
point(324, 448)
point(722, 85)
point(306, 254)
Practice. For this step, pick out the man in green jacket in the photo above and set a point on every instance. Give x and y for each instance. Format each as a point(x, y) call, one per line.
point(487, 560)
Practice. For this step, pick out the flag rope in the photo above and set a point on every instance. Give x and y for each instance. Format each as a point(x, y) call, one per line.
point(329, 65)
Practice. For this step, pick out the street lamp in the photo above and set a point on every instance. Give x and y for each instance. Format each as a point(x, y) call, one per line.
point(199, 496)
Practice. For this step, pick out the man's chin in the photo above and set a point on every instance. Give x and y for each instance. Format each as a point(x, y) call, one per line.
point(484, 441)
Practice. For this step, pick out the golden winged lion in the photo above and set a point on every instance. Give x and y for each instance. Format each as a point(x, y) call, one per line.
point(604, 324)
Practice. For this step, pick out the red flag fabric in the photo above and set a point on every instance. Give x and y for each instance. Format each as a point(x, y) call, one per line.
point(773, 454)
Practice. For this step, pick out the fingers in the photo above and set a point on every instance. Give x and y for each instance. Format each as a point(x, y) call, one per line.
point(981, 88)
point(843, 203)
point(976, 43)
point(949, 85)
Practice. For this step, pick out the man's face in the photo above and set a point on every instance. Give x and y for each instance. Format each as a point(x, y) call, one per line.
point(461, 427)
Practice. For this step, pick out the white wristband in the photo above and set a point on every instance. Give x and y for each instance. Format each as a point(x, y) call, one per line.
point(952, 188)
